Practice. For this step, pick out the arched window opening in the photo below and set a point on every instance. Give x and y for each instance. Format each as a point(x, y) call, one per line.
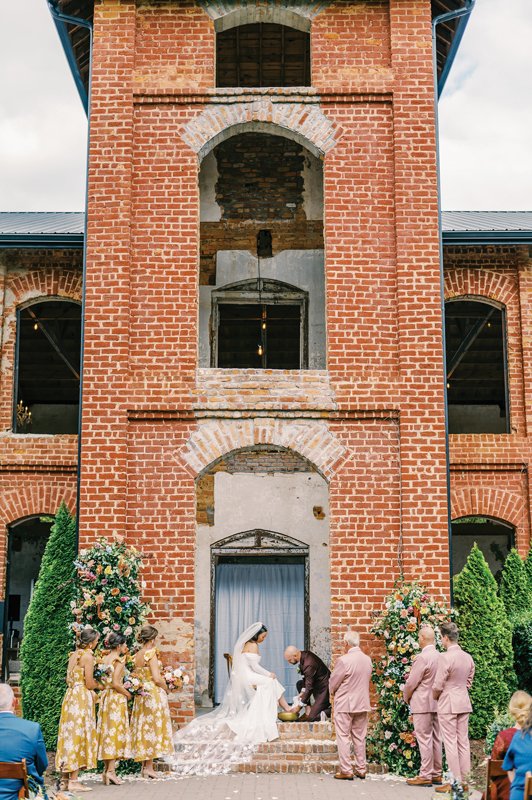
point(26, 542)
point(262, 278)
point(493, 537)
point(259, 324)
point(262, 54)
point(477, 382)
point(47, 368)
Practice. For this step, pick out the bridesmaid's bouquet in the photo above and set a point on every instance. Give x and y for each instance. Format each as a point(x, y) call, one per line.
point(101, 671)
point(175, 678)
point(134, 685)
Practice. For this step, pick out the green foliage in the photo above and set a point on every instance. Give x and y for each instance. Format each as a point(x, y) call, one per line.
point(528, 569)
point(522, 644)
point(392, 741)
point(514, 589)
point(47, 637)
point(107, 595)
point(500, 722)
point(485, 633)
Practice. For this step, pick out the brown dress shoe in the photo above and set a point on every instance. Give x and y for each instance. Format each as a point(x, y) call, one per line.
point(343, 776)
point(360, 775)
point(418, 781)
point(437, 780)
point(445, 788)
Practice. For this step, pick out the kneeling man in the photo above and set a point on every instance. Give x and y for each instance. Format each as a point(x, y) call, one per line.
point(350, 686)
point(418, 694)
point(315, 681)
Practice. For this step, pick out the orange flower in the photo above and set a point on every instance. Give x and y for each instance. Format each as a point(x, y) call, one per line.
point(114, 592)
point(118, 609)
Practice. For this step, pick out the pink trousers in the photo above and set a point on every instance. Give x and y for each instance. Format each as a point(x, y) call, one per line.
point(351, 729)
point(428, 738)
point(454, 731)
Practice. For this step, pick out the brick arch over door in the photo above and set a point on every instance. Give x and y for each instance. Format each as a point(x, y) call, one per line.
point(479, 284)
point(215, 438)
point(228, 13)
point(299, 122)
point(499, 504)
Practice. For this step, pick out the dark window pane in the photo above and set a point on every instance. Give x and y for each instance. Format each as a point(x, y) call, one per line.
point(476, 369)
point(263, 54)
point(240, 334)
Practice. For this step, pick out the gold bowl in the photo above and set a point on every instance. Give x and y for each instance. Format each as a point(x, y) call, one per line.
point(288, 716)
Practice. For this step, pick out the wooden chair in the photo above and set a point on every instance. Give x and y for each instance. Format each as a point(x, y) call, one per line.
point(229, 658)
point(495, 770)
point(528, 786)
point(18, 772)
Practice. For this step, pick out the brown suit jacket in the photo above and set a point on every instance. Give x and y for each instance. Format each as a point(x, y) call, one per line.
point(315, 679)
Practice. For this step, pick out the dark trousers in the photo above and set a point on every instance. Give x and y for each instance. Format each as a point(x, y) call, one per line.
point(321, 702)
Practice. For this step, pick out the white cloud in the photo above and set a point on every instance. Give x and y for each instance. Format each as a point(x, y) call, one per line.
point(485, 113)
point(42, 122)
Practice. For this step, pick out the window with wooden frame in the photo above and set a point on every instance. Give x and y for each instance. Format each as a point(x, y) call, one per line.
point(262, 54)
point(477, 367)
point(259, 324)
point(47, 367)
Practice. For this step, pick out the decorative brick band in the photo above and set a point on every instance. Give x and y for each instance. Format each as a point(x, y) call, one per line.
point(297, 121)
point(215, 438)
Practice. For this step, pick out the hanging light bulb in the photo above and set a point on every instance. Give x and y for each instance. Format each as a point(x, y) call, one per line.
point(260, 350)
point(263, 319)
point(448, 385)
point(36, 327)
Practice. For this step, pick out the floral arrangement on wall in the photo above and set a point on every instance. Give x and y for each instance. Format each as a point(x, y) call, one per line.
point(107, 589)
point(409, 606)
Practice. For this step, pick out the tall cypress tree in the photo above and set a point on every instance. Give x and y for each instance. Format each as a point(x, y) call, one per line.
point(528, 569)
point(486, 634)
point(514, 589)
point(47, 635)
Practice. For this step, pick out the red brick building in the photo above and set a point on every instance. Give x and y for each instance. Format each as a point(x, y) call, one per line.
point(263, 399)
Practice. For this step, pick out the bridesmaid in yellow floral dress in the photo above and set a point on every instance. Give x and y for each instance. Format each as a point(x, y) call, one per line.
point(76, 741)
point(114, 740)
point(151, 729)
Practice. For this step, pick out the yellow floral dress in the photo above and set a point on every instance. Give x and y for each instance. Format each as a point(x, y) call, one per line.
point(114, 740)
point(76, 740)
point(151, 728)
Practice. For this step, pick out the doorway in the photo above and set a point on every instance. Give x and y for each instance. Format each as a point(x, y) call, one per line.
point(27, 540)
point(259, 584)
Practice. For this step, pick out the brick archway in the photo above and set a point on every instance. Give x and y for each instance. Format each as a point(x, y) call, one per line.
point(215, 438)
point(490, 502)
point(475, 285)
point(224, 12)
point(300, 122)
point(34, 500)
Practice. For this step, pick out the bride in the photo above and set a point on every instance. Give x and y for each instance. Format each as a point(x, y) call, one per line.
point(212, 743)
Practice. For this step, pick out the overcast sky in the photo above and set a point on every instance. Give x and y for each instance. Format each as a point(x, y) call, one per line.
point(485, 113)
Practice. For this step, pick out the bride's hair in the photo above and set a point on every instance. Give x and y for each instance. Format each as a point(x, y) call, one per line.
point(262, 629)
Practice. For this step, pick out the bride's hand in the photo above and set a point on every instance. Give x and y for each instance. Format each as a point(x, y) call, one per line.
point(273, 675)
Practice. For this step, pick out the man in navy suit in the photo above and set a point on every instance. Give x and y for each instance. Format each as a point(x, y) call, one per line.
point(19, 738)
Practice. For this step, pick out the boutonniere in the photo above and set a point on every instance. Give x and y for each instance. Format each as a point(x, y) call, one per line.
point(299, 669)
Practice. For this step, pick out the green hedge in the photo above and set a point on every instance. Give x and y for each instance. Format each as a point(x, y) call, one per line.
point(47, 636)
point(514, 589)
point(522, 644)
point(486, 634)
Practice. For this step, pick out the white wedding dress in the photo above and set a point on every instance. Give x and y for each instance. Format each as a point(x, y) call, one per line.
point(215, 742)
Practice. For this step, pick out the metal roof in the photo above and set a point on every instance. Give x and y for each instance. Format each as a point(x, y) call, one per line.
point(66, 228)
point(42, 228)
point(487, 227)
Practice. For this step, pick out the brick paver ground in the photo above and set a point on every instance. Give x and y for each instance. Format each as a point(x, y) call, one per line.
point(263, 787)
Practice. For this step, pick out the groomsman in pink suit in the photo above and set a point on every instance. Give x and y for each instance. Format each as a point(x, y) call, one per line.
point(349, 683)
point(418, 694)
point(454, 677)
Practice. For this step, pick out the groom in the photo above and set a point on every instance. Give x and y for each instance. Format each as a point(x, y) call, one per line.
point(315, 681)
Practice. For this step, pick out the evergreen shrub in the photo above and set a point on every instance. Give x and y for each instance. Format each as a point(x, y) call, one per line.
point(47, 636)
point(522, 645)
point(514, 589)
point(486, 633)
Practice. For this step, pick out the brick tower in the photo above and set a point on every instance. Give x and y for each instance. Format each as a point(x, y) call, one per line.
point(263, 357)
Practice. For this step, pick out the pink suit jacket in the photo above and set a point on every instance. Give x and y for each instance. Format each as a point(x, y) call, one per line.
point(349, 682)
point(418, 687)
point(454, 677)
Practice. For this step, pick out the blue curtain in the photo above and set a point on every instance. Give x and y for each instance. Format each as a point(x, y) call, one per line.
point(271, 593)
